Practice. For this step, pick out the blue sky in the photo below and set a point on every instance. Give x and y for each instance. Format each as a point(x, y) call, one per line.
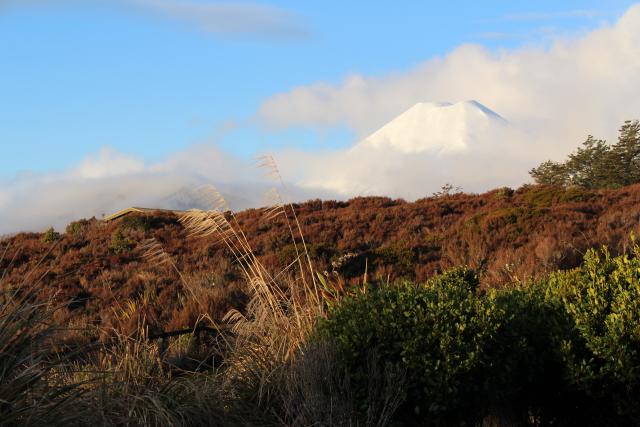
point(74, 79)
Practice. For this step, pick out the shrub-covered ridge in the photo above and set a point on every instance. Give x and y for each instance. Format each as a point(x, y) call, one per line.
point(503, 234)
point(309, 348)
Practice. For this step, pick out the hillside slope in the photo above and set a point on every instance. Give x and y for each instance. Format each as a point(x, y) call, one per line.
point(96, 267)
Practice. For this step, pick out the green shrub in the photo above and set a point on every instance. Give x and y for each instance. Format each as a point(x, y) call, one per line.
point(547, 195)
point(602, 298)
point(288, 253)
point(120, 244)
point(76, 227)
point(518, 354)
point(526, 377)
point(437, 332)
point(499, 218)
point(50, 236)
point(402, 259)
point(503, 193)
point(352, 264)
point(140, 222)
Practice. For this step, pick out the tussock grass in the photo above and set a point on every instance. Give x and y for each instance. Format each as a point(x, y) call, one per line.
point(259, 370)
point(33, 386)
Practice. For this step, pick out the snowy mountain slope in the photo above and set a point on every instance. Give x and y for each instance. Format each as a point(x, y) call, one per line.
point(436, 127)
point(422, 149)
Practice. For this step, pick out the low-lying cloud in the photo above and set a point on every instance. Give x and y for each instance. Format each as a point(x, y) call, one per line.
point(109, 180)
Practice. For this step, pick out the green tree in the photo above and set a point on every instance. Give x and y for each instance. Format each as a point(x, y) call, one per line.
point(624, 163)
point(550, 173)
point(596, 164)
point(586, 166)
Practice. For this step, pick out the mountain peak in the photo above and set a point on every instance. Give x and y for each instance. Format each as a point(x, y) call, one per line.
point(436, 126)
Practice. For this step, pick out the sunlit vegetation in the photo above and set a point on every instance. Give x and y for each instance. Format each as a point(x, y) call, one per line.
point(597, 164)
point(561, 350)
point(454, 310)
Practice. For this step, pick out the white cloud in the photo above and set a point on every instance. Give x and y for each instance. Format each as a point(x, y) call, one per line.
point(5, 198)
point(107, 163)
point(366, 170)
point(553, 98)
point(230, 19)
point(588, 84)
point(108, 181)
point(546, 16)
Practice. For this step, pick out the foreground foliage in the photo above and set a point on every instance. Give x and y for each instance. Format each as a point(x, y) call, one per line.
point(602, 299)
point(437, 333)
point(561, 351)
point(308, 348)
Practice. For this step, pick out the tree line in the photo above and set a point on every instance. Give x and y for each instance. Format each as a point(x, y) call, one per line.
point(597, 164)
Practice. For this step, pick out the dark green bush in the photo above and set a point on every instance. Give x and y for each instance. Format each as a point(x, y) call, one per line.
point(141, 222)
point(563, 351)
point(503, 193)
point(120, 244)
point(50, 236)
point(437, 332)
point(76, 227)
point(603, 300)
point(526, 377)
point(403, 261)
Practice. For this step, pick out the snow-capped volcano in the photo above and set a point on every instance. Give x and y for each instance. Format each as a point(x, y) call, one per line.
point(463, 143)
point(437, 127)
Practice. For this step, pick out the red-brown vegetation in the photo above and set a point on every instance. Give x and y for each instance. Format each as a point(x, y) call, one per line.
point(98, 269)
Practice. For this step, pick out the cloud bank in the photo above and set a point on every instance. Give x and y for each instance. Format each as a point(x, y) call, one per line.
point(551, 97)
point(108, 181)
point(558, 93)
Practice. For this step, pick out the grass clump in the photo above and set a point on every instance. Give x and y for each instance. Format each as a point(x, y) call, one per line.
point(33, 386)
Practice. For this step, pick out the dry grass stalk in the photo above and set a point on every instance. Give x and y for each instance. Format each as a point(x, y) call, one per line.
point(317, 391)
point(33, 390)
point(282, 310)
point(153, 252)
point(268, 163)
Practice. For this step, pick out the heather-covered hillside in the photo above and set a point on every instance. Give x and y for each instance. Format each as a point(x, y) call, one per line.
point(99, 267)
